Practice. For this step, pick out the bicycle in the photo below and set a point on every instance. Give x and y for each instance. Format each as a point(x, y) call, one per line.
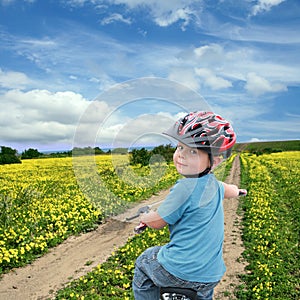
point(169, 293)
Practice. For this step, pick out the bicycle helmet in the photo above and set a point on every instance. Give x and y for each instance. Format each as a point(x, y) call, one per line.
point(206, 131)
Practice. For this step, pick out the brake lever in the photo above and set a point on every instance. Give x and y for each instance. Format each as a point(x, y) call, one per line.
point(142, 226)
point(141, 210)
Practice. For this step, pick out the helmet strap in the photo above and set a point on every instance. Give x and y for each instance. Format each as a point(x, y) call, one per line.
point(205, 172)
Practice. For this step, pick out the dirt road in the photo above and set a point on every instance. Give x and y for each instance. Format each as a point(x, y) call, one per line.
point(233, 245)
point(78, 255)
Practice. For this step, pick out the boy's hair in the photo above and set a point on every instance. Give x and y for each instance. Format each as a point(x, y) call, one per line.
point(205, 131)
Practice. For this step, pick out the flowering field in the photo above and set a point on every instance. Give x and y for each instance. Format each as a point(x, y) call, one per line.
point(271, 238)
point(112, 279)
point(271, 226)
point(42, 202)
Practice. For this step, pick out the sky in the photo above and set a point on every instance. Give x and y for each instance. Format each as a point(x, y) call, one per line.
point(113, 73)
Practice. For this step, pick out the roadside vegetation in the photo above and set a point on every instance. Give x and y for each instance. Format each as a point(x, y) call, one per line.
point(42, 203)
point(271, 226)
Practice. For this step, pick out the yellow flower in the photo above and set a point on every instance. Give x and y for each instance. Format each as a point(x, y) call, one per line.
point(126, 285)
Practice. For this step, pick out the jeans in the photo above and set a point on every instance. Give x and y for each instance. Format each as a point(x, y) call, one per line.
point(149, 275)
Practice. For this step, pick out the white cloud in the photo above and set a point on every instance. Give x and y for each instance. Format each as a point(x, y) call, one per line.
point(115, 18)
point(118, 130)
point(77, 2)
point(219, 67)
point(144, 129)
point(265, 5)
point(167, 19)
point(273, 130)
point(39, 116)
point(254, 139)
point(13, 80)
point(248, 30)
point(39, 43)
point(185, 76)
point(144, 59)
point(211, 80)
point(257, 85)
point(210, 54)
point(164, 13)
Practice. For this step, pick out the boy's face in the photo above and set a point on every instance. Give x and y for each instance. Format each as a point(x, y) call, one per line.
point(190, 161)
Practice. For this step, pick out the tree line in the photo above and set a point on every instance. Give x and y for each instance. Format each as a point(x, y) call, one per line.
point(137, 156)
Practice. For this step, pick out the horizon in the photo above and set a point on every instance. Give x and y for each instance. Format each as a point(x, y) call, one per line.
point(147, 147)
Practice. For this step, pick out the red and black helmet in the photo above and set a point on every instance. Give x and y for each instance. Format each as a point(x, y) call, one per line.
point(206, 131)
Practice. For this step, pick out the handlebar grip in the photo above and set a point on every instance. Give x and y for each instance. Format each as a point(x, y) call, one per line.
point(140, 228)
point(242, 192)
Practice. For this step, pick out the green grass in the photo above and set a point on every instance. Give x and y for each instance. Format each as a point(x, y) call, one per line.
point(271, 226)
point(268, 147)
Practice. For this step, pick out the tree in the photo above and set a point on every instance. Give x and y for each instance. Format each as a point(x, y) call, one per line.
point(83, 151)
point(30, 153)
point(8, 156)
point(119, 151)
point(98, 151)
point(141, 157)
point(164, 150)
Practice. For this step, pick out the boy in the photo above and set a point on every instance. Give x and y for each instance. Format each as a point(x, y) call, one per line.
point(193, 211)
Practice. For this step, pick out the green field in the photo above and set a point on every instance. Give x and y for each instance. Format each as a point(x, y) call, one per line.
point(270, 233)
point(43, 202)
point(268, 147)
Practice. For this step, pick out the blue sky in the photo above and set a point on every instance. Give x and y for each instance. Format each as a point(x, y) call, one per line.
point(117, 73)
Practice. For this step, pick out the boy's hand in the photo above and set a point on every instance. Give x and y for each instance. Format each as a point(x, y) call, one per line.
point(153, 220)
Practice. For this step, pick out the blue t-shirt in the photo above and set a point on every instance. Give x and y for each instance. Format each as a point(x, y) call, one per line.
point(194, 211)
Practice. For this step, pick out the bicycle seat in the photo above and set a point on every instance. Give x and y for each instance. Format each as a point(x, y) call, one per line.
point(168, 293)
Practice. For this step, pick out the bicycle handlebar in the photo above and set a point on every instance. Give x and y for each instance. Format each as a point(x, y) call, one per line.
point(242, 192)
point(142, 226)
point(145, 209)
point(141, 210)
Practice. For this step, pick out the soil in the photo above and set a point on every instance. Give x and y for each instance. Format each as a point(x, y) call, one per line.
point(233, 245)
point(80, 254)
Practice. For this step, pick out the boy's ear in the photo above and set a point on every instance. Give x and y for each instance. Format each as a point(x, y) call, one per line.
point(217, 160)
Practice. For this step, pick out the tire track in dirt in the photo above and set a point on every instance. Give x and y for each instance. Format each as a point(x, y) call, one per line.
point(71, 259)
point(80, 254)
point(233, 245)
